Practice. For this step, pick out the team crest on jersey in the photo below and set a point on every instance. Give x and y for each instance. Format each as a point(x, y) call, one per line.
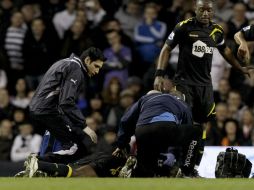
point(193, 35)
point(171, 36)
point(246, 28)
point(199, 48)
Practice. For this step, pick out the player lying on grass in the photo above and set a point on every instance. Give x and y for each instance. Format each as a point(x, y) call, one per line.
point(101, 164)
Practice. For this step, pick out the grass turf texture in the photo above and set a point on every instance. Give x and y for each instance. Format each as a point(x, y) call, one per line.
point(124, 184)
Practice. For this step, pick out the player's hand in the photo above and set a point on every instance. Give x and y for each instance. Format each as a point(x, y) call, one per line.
point(243, 53)
point(91, 134)
point(158, 83)
point(120, 153)
point(248, 70)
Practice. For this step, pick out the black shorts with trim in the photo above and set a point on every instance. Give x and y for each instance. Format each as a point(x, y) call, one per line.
point(104, 164)
point(201, 101)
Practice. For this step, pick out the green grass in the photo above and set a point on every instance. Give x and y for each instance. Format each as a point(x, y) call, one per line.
point(124, 184)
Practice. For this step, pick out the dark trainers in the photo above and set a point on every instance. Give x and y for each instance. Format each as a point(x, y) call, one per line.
point(193, 174)
point(31, 165)
point(129, 166)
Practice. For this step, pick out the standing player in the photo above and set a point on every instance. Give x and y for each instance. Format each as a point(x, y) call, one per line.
point(53, 106)
point(241, 38)
point(197, 37)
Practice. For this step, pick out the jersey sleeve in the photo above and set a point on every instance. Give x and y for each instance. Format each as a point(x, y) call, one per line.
point(218, 36)
point(248, 32)
point(175, 36)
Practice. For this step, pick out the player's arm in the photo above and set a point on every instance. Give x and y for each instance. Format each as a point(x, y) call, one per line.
point(228, 55)
point(241, 38)
point(171, 42)
point(230, 58)
point(69, 93)
point(161, 66)
point(127, 128)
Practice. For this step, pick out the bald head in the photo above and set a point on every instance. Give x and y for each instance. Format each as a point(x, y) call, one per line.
point(204, 11)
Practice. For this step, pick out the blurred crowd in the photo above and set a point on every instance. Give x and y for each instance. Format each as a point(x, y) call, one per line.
point(36, 33)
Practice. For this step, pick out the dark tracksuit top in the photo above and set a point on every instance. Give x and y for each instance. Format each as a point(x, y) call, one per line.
point(151, 108)
point(59, 90)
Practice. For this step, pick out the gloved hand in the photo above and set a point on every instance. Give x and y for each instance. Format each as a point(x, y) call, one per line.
point(91, 134)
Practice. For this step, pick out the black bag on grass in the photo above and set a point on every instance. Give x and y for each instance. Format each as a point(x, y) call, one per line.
point(231, 164)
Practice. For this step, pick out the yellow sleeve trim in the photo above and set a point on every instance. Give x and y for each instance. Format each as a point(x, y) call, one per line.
point(69, 172)
point(204, 134)
point(185, 21)
point(214, 31)
point(212, 110)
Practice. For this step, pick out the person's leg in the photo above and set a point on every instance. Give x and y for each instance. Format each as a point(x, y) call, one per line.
point(55, 170)
point(84, 171)
point(189, 138)
point(203, 111)
point(149, 147)
point(70, 137)
point(152, 140)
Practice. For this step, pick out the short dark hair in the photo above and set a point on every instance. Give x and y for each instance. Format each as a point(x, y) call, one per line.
point(94, 54)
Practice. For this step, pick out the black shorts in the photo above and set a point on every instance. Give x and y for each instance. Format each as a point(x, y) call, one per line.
point(104, 164)
point(201, 101)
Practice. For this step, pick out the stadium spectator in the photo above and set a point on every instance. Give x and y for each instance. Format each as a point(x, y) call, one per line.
point(116, 113)
point(96, 104)
point(112, 23)
point(149, 35)
point(238, 20)
point(40, 50)
point(19, 117)
point(118, 57)
point(20, 100)
point(3, 78)
point(6, 8)
point(81, 16)
point(135, 84)
point(50, 8)
point(250, 10)
point(223, 10)
point(6, 108)
point(221, 95)
point(53, 106)
point(111, 92)
point(215, 127)
point(220, 69)
point(129, 16)
point(29, 12)
point(95, 12)
point(232, 134)
point(76, 39)
point(63, 20)
point(25, 143)
point(247, 125)
point(13, 42)
point(6, 139)
point(236, 106)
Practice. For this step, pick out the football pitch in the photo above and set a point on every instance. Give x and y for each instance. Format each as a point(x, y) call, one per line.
point(124, 184)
